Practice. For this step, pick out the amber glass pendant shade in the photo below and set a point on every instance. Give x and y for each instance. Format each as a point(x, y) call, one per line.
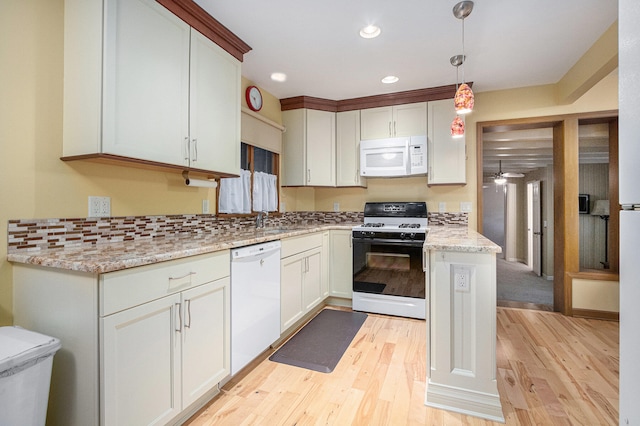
point(463, 100)
point(457, 128)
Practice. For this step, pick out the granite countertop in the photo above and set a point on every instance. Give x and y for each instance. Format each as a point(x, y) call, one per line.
point(103, 258)
point(457, 238)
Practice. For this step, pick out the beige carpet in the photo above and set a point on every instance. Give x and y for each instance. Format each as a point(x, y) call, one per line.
point(516, 282)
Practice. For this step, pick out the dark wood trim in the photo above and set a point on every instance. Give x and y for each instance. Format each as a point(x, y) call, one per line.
point(308, 102)
point(387, 99)
point(118, 160)
point(198, 18)
point(566, 237)
point(593, 314)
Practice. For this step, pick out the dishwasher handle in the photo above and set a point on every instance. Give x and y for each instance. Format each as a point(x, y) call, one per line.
point(255, 251)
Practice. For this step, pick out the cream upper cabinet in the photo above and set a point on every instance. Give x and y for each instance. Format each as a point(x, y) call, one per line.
point(141, 84)
point(447, 156)
point(309, 148)
point(214, 111)
point(348, 149)
point(394, 121)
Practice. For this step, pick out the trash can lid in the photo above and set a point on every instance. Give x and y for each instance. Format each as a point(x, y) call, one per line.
point(18, 346)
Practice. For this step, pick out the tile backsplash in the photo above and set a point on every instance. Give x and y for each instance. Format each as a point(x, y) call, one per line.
point(40, 234)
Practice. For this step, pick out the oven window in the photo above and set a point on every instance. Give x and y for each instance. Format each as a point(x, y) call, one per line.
point(388, 269)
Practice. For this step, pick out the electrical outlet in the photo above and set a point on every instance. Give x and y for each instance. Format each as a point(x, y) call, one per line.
point(442, 207)
point(205, 206)
point(336, 207)
point(99, 206)
point(461, 278)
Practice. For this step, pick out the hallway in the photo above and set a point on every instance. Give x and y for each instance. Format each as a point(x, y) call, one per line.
point(518, 286)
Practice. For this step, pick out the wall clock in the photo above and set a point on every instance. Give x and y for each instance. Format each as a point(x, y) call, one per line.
point(254, 98)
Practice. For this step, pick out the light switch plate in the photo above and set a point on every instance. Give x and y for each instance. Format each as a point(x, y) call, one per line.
point(465, 207)
point(336, 207)
point(442, 207)
point(205, 206)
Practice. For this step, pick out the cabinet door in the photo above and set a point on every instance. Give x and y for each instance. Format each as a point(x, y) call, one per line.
point(376, 123)
point(341, 283)
point(294, 148)
point(214, 114)
point(312, 280)
point(140, 364)
point(291, 276)
point(348, 149)
point(205, 338)
point(321, 148)
point(145, 111)
point(447, 156)
point(324, 284)
point(410, 119)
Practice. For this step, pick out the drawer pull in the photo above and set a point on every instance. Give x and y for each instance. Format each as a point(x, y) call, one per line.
point(182, 277)
point(187, 324)
point(179, 311)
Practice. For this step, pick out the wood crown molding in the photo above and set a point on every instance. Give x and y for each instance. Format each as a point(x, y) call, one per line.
point(198, 18)
point(387, 99)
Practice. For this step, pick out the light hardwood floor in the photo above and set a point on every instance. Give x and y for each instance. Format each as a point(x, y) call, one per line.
point(552, 370)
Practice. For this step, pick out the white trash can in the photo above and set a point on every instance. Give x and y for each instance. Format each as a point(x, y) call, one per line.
point(26, 358)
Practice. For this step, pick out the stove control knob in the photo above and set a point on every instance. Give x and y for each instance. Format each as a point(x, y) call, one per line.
point(402, 235)
point(412, 235)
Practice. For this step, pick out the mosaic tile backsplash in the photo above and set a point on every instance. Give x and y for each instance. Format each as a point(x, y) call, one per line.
point(39, 234)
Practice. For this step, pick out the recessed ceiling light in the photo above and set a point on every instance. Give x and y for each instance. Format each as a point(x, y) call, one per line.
point(370, 31)
point(390, 79)
point(279, 77)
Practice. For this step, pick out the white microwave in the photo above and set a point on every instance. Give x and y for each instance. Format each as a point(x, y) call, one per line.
point(393, 157)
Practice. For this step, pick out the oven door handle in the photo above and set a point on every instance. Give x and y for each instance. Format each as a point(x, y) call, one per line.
point(405, 243)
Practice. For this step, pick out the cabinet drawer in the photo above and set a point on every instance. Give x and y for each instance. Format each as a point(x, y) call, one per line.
point(294, 245)
point(130, 287)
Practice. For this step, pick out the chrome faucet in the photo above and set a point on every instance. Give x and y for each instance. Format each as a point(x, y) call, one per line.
point(261, 218)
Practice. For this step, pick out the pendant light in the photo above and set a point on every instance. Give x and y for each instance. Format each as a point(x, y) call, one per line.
point(463, 100)
point(457, 126)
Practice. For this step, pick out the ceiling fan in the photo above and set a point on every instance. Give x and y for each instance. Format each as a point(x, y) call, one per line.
point(501, 177)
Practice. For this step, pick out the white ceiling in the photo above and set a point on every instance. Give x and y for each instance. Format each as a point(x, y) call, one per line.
point(316, 43)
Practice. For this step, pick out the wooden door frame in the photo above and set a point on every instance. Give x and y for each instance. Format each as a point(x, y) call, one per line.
point(566, 262)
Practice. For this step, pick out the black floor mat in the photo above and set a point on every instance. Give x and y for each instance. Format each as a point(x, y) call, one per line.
point(320, 344)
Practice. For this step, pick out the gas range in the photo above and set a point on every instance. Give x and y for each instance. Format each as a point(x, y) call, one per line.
point(388, 259)
point(405, 221)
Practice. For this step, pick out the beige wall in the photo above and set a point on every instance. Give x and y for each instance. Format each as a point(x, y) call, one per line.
point(36, 184)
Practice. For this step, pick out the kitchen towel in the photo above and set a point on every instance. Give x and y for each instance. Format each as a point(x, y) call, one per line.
point(265, 192)
point(235, 195)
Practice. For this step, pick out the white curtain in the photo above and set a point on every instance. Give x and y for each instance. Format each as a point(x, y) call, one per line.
point(265, 192)
point(235, 196)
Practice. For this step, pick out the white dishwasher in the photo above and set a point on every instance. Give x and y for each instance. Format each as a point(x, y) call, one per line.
point(255, 301)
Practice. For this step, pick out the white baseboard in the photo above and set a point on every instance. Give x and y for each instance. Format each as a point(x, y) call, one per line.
point(464, 401)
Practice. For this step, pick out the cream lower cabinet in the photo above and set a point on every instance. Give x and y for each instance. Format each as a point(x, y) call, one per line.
point(301, 277)
point(163, 355)
point(461, 333)
point(144, 345)
point(341, 264)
